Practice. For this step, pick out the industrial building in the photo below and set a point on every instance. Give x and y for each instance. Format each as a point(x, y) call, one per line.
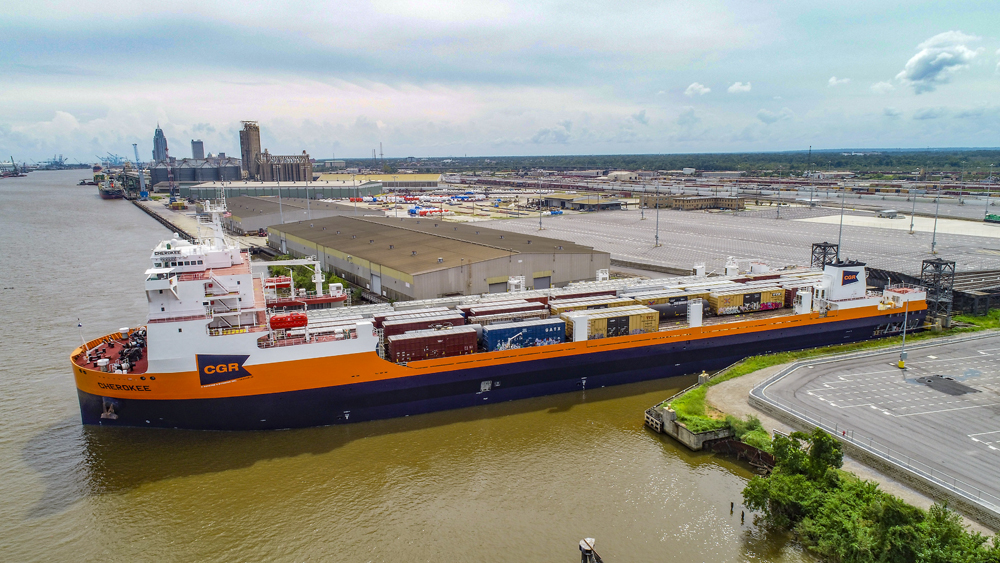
point(580, 203)
point(320, 189)
point(404, 259)
point(249, 214)
point(189, 170)
point(389, 181)
point(689, 203)
point(284, 168)
point(249, 148)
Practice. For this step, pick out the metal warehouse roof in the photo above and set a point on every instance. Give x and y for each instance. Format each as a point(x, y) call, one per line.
point(382, 177)
point(392, 242)
point(248, 206)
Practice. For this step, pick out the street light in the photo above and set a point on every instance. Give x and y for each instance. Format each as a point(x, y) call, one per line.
point(840, 235)
point(355, 182)
point(657, 239)
point(937, 206)
point(912, 212)
point(902, 350)
point(395, 203)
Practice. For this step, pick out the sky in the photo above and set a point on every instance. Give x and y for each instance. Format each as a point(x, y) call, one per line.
point(434, 78)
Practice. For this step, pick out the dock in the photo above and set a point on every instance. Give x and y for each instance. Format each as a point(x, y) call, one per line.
point(185, 223)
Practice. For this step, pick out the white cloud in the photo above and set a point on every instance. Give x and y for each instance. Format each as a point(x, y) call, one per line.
point(687, 117)
point(929, 113)
point(998, 64)
point(641, 117)
point(738, 87)
point(769, 117)
point(937, 59)
point(834, 81)
point(882, 87)
point(697, 89)
point(891, 112)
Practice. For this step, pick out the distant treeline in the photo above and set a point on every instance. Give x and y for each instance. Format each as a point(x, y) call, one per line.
point(971, 162)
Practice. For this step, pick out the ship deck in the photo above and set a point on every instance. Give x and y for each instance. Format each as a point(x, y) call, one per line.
point(114, 349)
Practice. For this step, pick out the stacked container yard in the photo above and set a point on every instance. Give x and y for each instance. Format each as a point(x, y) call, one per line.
point(428, 344)
point(731, 302)
point(588, 303)
point(524, 334)
point(607, 323)
point(422, 322)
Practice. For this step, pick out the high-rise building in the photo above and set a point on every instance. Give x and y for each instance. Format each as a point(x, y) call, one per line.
point(197, 149)
point(250, 149)
point(159, 145)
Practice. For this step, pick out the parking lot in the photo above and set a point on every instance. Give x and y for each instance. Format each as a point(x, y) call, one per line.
point(690, 237)
point(942, 413)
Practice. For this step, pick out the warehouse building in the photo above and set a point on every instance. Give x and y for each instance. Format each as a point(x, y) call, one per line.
point(580, 203)
point(249, 214)
point(690, 203)
point(389, 181)
point(404, 259)
point(321, 189)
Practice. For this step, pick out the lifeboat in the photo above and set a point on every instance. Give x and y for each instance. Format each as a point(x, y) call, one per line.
point(291, 320)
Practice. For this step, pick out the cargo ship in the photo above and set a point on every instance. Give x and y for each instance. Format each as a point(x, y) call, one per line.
point(220, 350)
point(107, 189)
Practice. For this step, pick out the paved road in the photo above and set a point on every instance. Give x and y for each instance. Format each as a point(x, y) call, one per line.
point(690, 237)
point(869, 398)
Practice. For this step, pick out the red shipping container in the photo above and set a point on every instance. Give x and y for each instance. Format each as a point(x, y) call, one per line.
point(428, 344)
point(390, 328)
point(483, 310)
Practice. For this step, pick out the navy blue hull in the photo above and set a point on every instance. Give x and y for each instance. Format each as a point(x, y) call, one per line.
point(476, 386)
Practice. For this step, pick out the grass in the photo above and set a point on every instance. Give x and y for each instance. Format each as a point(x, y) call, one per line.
point(693, 413)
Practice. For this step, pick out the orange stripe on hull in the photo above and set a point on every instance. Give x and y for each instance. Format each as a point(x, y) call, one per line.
point(366, 367)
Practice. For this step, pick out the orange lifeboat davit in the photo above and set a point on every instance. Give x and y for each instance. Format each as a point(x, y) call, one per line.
point(291, 320)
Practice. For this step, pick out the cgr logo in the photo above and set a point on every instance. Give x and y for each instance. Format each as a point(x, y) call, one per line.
point(850, 277)
point(217, 368)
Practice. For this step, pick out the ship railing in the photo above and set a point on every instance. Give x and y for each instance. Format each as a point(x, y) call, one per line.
point(171, 319)
point(192, 276)
point(299, 340)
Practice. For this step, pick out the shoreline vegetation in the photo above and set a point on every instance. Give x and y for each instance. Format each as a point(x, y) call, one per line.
point(841, 518)
point(833, 513)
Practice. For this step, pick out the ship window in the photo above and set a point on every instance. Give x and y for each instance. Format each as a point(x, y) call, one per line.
point(180, 330)
point(187, 263)
point(157, 265)
point(199, 261)
point(237, 282)
point(162, 309)
point(161, 292)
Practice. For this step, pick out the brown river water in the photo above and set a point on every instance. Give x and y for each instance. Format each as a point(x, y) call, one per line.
point(519, 481)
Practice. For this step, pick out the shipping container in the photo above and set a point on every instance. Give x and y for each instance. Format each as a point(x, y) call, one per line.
point(574, 293)
point(607, 323)
point(671, 303)
point(483, 310)
point(731, 302)
point(390, 328)
point(466, 309)
point(509, 317)
point(379, 318)
point(559, 307)
point(428, 344)
point(525, 334)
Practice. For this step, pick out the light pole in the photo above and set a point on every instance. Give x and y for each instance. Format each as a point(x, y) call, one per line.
point(657, 239)
point(395, 203)
point(902, 350)
point(937, 206)
point(355, 182)
point(914, 210)
point(840, 234)
point(309, 213)
point(281, 215)
point(987, 212)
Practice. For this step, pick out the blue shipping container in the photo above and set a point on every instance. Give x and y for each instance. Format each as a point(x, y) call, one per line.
point(523, 334)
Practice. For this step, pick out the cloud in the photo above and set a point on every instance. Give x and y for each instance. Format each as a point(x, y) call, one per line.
point(687, 117)
point(936, 60)
point(770, 117)
point(834, 81)
point(552, 135)
point(738, 87)
point(641, 117)
point(696, 89)
point(998, 64)
point(882, 87)
point(929, 113)
point(891, 112)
